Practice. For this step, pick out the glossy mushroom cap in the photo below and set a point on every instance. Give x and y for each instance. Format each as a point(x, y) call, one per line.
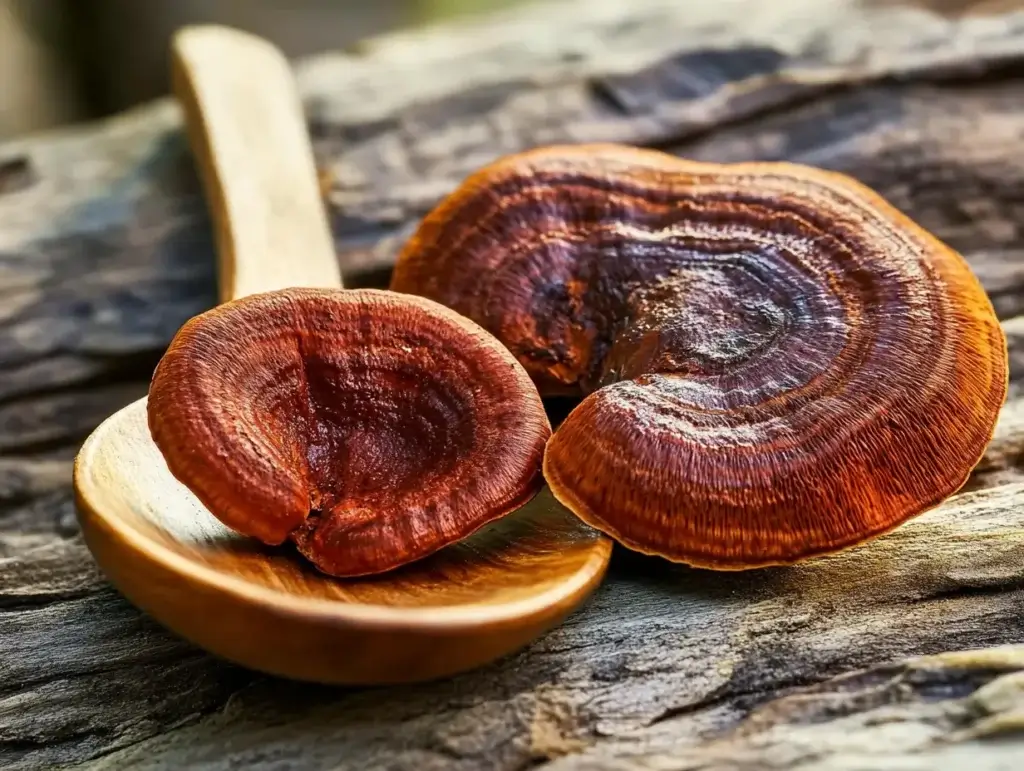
point(369, 429)
point(777, 363)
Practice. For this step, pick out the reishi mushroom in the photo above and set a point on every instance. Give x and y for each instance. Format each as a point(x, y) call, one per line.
point(775, 363)
point(370, 429)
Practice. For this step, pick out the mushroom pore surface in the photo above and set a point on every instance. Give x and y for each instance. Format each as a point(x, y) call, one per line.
point(369, 430)
point(775, 362)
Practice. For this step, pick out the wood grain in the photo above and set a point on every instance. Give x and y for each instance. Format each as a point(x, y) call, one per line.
point(253, 153)
point(110, 250)
point(716, 646)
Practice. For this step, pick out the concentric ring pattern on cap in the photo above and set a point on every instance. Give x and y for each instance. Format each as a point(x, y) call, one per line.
point(369, 429)
point(776, 363)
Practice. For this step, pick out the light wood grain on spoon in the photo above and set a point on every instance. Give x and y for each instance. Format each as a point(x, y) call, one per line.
point(262, 606)
point(244, 122)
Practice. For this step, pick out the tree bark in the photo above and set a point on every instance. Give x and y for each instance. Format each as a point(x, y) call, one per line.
point(904, 653)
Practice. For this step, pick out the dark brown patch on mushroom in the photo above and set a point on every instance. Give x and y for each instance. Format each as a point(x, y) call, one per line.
point(370, 432)
point(776, 362)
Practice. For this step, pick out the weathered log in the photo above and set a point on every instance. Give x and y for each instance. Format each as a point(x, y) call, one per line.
point(105, 249)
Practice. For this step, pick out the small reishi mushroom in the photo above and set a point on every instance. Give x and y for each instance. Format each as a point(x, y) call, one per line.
point(368, 430)
point(775, 362)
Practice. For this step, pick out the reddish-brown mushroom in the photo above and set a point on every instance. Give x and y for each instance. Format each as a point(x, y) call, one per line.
point(776, 363)
point(369, 430)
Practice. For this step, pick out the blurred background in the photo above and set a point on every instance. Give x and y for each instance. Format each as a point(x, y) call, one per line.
point(66, 61)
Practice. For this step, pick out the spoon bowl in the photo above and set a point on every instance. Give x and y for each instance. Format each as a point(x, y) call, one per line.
point(267, 608)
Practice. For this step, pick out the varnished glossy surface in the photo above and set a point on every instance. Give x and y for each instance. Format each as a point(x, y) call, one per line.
point(268, 608)
point(369, 428)
point(776, 362)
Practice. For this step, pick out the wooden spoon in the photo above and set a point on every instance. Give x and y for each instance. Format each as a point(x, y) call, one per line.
point(265, 607)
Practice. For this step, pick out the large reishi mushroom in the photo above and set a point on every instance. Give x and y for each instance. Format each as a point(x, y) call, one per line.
point(368, 430)
point(775, 362)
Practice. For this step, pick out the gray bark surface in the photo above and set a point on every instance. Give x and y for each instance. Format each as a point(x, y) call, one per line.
point(906, 653)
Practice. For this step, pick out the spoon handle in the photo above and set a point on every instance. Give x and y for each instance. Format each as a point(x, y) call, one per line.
point(246, 127)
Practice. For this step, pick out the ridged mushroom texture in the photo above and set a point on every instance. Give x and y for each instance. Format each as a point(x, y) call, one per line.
point(368, 430)
point(775, 363)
